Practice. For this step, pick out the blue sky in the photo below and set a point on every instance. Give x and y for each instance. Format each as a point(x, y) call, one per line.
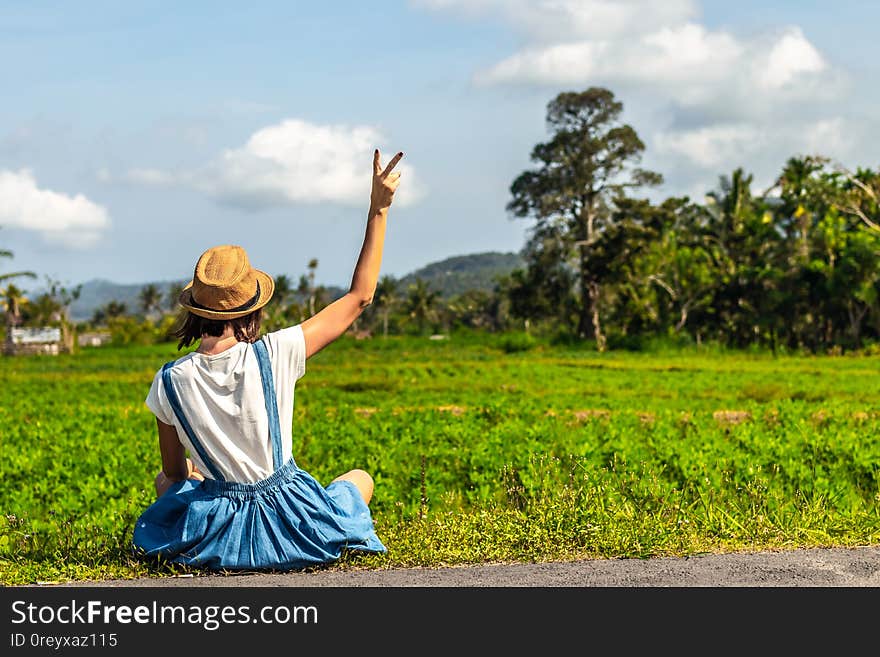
point(135, 135)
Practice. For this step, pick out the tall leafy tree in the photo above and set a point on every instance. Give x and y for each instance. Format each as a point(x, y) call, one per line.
point(586, 165)
point(675, 272)
point(860, 198)
point(752, 256)
point(803, 199)
point(862, 195)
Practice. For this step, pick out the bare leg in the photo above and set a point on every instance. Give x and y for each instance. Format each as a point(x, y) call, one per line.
point(362, 480)
point(162, 483)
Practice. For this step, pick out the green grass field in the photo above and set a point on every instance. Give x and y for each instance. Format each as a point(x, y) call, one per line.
point(480, 452)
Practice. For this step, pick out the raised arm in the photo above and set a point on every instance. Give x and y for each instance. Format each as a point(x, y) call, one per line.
point(325, 326)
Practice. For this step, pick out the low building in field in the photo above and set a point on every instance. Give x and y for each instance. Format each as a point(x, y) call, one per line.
point(36, 340)
point(93, 338)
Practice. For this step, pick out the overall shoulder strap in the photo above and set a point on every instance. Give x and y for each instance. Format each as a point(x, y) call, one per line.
point(173, 399)
point(271, 400)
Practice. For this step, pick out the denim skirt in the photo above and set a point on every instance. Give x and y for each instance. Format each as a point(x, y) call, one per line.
point(286, 521)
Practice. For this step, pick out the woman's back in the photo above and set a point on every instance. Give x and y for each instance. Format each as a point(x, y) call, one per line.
point(221, 397)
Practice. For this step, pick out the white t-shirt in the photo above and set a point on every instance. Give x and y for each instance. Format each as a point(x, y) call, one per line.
point(222, 399)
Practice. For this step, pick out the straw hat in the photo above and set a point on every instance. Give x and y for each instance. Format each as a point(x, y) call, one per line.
point(225, 286)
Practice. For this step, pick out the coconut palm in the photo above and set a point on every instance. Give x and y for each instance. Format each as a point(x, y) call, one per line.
point(150, 299)
point(109, 310)
point(386, 298)
point(283, 289)
point(303, 289)
point(172, 296)
point(313, 265)
point(12, 299)
point(421, 302)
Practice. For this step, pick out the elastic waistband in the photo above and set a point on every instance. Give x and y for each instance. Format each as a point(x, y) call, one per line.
point(241, 489)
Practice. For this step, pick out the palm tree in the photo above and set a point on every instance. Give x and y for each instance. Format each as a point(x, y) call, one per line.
point(172, 296)
point(421, 302)
point(302, 289)
point(13, 299)
point(386, 298)
point(283, 289)
point(279, 308)
point(313, 265)
point(109, 310)
point(800, 186)
point(150, 299)
point(730, 204)
point(65, 297)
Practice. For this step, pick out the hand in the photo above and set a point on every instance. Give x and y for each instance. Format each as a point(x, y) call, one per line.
point(385, 182)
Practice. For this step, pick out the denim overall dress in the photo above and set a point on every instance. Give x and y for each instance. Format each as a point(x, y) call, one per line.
point(286, 521)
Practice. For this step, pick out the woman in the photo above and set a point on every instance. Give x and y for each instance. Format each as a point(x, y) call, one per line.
point(240, 500)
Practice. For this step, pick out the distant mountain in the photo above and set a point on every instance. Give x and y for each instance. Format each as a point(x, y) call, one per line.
point(450, 277)
point(458, 274)
point(99, 292)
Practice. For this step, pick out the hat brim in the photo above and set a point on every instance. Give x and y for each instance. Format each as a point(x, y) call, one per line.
point(267, 289)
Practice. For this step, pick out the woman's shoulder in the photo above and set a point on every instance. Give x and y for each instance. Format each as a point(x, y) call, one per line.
point(290, 335)
point(176, 365)
point(177, 362)
point(287, 345)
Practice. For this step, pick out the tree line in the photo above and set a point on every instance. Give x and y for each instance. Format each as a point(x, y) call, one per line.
point(794, 266)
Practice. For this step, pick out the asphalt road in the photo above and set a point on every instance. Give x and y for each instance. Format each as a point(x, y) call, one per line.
point(833, 567)
point(769, 602)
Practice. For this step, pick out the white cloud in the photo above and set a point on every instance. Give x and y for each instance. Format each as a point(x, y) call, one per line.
point(563, 20)
point(686, 65)
point(564, 63)
point(74, 221)
point(695, 157)
point(830, 137)
point(660, 47)
point(710, 99)
point(711, 146)
point(789, 58)
point(291, 162)
point(730, 145)
point(675, 58)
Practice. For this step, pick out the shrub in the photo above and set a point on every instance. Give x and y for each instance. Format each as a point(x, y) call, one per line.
point(514, 342)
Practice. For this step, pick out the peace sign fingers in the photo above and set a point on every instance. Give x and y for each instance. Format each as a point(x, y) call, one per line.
point(392, 164)
point(385, 181)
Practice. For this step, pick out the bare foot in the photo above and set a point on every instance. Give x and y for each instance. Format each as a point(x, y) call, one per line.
point(193, 471)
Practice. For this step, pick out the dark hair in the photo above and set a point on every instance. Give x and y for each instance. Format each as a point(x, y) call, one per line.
point(192, 327)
